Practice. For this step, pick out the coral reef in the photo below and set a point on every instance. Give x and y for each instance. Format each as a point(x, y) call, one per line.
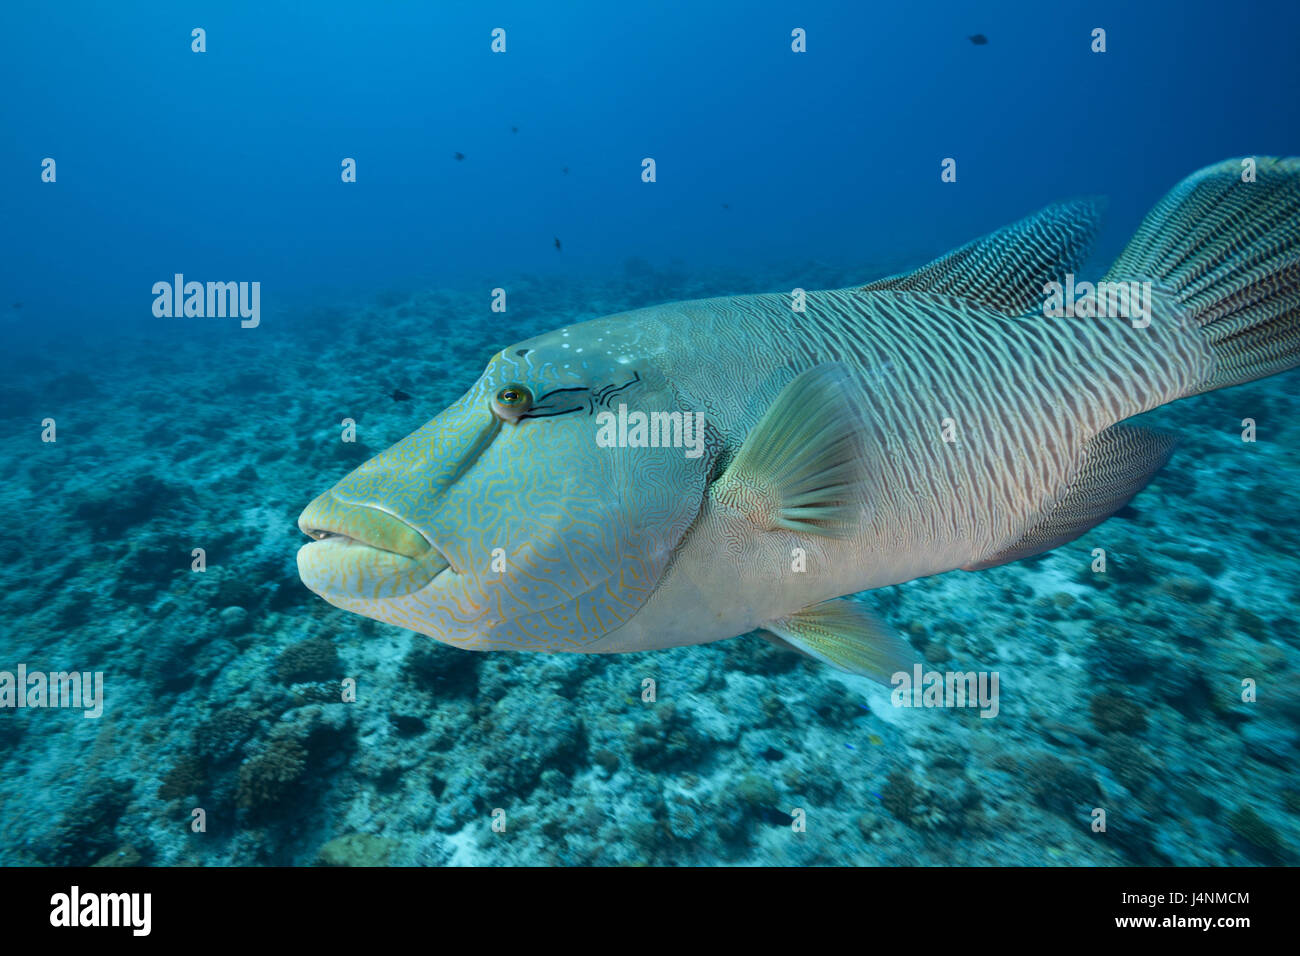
point(1160, 690)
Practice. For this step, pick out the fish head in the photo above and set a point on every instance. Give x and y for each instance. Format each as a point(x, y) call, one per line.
point(506, 522)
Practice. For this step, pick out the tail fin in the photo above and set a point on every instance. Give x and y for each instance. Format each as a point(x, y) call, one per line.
point(1226, 249)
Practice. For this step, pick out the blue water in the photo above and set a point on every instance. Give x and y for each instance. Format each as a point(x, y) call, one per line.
point(773, 169)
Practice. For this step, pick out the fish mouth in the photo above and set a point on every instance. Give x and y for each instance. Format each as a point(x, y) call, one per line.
point(363, 551)
point(339, 539)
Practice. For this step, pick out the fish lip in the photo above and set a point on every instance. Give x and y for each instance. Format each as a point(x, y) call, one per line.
point(317, 566)
point(434, 555)
point(322, 531)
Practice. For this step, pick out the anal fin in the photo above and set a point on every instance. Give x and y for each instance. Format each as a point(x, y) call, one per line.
point(1118, 463)
point(845, 635)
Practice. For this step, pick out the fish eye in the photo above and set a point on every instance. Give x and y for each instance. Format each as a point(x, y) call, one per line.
point(512, 401)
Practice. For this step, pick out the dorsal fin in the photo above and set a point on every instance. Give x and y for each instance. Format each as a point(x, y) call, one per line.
point(1007, 269)
point(1118, 463)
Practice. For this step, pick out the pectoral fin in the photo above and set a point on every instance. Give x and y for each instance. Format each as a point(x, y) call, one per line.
point(844, 634)
point(804, 466)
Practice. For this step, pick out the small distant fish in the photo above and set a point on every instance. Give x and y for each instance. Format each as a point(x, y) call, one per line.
point(566, 170)
point(979, 39)
point(557, 243)
point(459, 155)
point(400, 396)
point(726, 205)
point(18, 305)
point(514, 129)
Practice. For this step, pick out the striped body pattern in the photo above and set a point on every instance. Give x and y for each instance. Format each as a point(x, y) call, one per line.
point(1023, 393)
point(855, 438)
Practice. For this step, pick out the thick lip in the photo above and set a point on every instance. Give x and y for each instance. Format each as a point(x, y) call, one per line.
point(351, 526)
point(432, 557)
point(344, 571)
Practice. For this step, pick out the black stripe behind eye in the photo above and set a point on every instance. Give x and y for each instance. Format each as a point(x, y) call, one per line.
point(576, 408)
point(601, 396)
point(557, 391)
point(539, 412)
point(604, 394)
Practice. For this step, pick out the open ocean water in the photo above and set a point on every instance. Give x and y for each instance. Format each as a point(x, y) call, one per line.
point(374, 180)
